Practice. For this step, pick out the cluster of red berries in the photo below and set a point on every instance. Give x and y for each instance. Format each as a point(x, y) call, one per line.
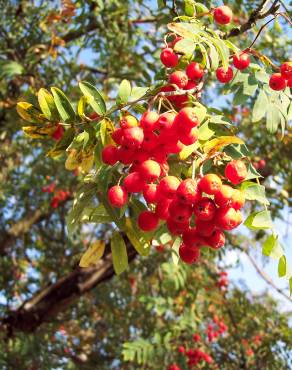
point(223, 281)
point(144, 148)
point(215, 329)
point(279, 81)
point(59, 195)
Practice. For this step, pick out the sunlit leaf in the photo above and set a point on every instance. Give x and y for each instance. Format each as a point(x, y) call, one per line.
point(93, 254)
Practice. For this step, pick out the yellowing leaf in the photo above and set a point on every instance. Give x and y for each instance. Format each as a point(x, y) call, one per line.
point(212, 146)
point(188, 150)
point(187, 30)
point(87, 161)
point(93, 254)
point(36, 132)
point(106, 130)
point(29, 113)
point(74, 159)
point(138, 242)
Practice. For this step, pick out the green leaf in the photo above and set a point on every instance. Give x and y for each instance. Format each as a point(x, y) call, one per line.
point(137, 238)
point(250, 86)
point(214, 57)
point(47, 105)
point(137, 93)
point(272, 248)
point(63, 105)
point(205, 133)
point(223, 51)
point(236, 151)
point(9, 69)
point(119, 253)
point(254, 191)
point(124, 92)
point(200, 111)
point(259, 220)
point(174, 250)
point(97, 215)
point(290, 285)
point(189, 8)
point(282, 266)
point(95, 99)
point(252, 173)
point(273, 118)
point(63, 143)
point(260, 106)
point(188, 150)
point(185, 46)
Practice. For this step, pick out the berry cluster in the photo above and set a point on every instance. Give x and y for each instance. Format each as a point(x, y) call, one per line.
point(223, 281)
point(59, 195)
point(279, 81)
point(207, 204)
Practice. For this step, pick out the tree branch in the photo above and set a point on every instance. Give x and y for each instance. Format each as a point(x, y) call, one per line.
point(57, 297)
point(259, 13)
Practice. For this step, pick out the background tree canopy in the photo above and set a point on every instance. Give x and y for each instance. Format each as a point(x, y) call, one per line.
point(57, 315)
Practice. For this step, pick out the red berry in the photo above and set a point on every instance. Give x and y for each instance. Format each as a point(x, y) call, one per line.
point(174, 367)
point(150, 170)
point(178, 78)
point(194, 71)
point(150, 193)
point(169, 58)
point(224, 76)
point(210, 184)
point(223, 15)
point(223, 195)
point(140, 156)
point(134, 183)
point(165, 123)
point(237, 199)
point(241, 61)
point(117, 196)
point(286, 70)
point(58, 133)
point(128, 121)
point(162, 208)
point(289, 82)
point(181, 349)
point(147, 221)
point(173, 147)
point(236, 171)
point(126, 155)
point(189, 255)
point(179, 212)
point(109, 154)
point(192, 239)
point(186, 119)
point(216, 240)
point(148, 120)
point(188, 192)
point(189, 138)
point(117, 136)
point(228, 218)
point(168, 186)
point(133, 137)
point(150, 141)
point(205, 209)
point(205, 228)
point(177, 228)
point(277, 82)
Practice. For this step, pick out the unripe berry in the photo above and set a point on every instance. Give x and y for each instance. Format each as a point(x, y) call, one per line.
point(169, 58)
point(178, 78)
point(241, 61)
point(134, 183)
point(189, 138)
point(177, 228)
point(168, 186)
point(188, 192)
point(150, 141)
point(147, 221)
point(117, 136)
point(205, 228)
point(224, 76)
point(179, 212)
point(148, 121)
point(189, 255)
point(223, 195)
point(117, 196)
point(236, 171)
point(126, 155)
point(237, 200)
point(216, 240)
point(133, 137)
point(194, 71)
point(165, 123)
point(150, 193)
point(186, 119)
point(223, 14)
point(109, 154)
point(128, 121)
point(277, 82)
point(228, 218)
point(205, 209)
point(162, 207)
point(150, 170)
point(286, 70)
point(210, 184)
